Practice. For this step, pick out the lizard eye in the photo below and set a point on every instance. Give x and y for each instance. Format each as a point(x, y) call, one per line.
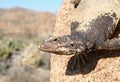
point(55, 39)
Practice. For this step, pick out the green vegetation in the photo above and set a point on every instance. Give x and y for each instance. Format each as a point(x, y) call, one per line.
point(37, 61)
point(20, 32)
point(8, 46)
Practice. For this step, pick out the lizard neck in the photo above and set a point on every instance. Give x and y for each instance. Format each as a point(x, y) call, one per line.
point(81, 41)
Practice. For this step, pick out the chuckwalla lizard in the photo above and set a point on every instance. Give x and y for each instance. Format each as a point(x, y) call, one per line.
point(93, 23)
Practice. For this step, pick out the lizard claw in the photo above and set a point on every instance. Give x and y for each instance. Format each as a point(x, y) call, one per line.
point(78, 61)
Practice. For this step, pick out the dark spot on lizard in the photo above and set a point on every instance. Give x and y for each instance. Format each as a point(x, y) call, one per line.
point(114, 15)
point(99, 29)
point(74, 26)
point(76, 5)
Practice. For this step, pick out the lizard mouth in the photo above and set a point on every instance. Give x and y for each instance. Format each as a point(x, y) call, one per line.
point(45, 48)
point(57, 50)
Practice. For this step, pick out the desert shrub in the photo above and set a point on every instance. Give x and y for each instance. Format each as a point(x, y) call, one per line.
point(2, 33)
point(37, 61)
point(21, 74)
point(30, 33)
point(31, 57)
point(8, 46)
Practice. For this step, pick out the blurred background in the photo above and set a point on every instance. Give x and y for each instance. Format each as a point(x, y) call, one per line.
point(24, 23)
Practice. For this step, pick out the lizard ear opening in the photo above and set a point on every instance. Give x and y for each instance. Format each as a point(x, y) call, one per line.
point(72, 44)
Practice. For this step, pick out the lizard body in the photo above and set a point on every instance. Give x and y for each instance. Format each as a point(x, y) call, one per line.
point(93, 23)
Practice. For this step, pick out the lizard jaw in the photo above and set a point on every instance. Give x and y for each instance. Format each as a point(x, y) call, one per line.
point(56, 50)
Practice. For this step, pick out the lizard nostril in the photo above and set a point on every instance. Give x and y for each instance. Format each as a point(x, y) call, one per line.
point(40, 46)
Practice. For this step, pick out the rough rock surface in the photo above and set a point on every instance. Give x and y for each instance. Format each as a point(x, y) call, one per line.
point(102, 66)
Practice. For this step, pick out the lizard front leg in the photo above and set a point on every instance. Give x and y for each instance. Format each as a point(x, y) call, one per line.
point(78, 60)
point(112, 44)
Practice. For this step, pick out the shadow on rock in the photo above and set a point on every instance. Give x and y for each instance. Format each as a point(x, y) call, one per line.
point(92, 59)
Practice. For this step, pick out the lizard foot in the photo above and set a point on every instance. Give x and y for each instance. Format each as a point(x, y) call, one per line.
point(112, 44)
point(78, 61)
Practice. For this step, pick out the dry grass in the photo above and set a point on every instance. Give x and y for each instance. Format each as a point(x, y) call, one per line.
point(26, 74)
point(28, 27)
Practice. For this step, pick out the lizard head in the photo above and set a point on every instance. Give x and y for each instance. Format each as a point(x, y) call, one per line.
point(62, 45)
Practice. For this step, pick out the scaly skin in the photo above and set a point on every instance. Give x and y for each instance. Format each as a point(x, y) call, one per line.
point(65, 45)
point(93, 23)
